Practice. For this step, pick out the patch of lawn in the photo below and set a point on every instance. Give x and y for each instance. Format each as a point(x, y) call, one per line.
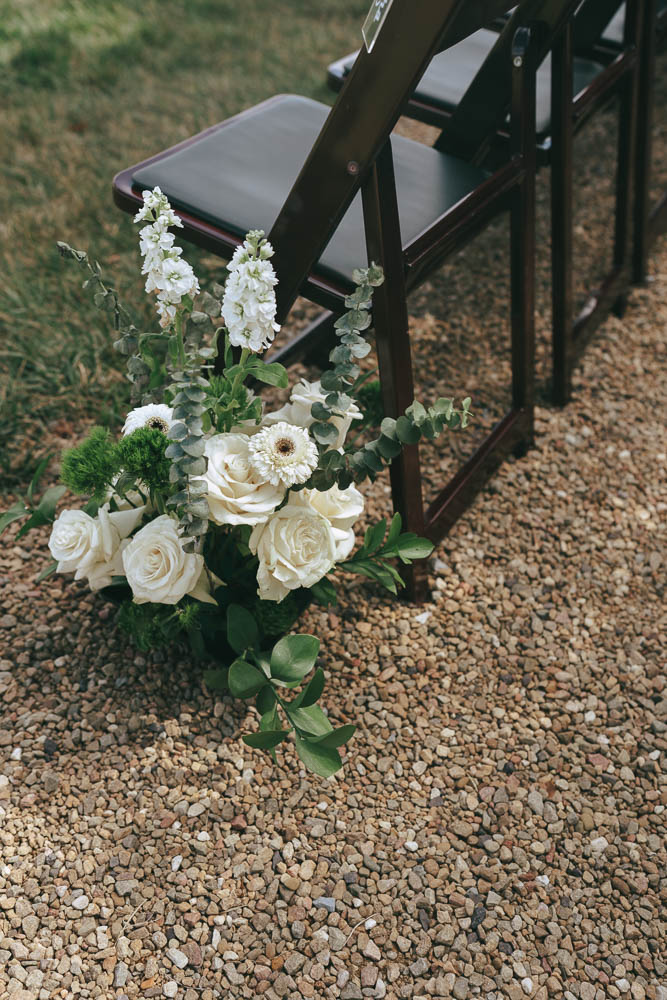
point(88, 88)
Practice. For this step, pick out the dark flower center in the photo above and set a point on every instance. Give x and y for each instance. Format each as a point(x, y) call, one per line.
point(156, 423)
point(285, 446)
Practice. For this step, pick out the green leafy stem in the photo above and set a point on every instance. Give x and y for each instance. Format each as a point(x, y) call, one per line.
point(267, 676)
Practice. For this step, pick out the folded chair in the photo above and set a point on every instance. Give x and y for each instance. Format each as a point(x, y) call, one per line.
point(333, 188)
point(569, 90)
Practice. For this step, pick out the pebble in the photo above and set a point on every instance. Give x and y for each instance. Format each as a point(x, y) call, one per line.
point(80, 903)
point(177, 958)
point(325, 903)
point(170, 988)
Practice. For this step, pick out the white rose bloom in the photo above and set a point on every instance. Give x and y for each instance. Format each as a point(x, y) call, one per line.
point(157, 568)
point(282, 454)
point(295, 548)
point(156, 415)
point(236, 494)
point(90, 547)
point(297, 411)
point(341, 509)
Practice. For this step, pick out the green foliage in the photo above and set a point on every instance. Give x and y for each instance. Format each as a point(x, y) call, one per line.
point(265, 675)
point(141, 456)
point(344, 380)
point(155, 625)
point(372, 558)
point(90, 469)
point(369, 398)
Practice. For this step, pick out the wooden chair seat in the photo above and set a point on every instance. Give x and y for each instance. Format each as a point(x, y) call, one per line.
point(225, 177)
point(450, 74)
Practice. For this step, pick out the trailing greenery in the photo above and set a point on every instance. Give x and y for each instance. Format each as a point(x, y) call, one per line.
point(267, 676)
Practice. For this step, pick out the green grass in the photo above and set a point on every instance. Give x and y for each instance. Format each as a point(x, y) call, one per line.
point(88, 87)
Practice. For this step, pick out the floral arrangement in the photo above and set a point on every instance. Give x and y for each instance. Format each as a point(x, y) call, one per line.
point(212, 518)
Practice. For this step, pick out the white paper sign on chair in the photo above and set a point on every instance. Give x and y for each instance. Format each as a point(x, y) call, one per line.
point(374, 21)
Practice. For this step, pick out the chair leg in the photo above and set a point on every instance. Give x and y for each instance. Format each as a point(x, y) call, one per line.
point(390, 316)
point(643, 142)
point(561, 217)
point(628, 152)
point(522, 258)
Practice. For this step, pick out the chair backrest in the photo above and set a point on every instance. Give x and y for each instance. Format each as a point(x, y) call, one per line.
point(590, 20)
point(370, 103)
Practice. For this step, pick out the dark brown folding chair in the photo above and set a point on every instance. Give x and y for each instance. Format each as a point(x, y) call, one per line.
point(569, 90)
point(650, 221)
point(335, 188)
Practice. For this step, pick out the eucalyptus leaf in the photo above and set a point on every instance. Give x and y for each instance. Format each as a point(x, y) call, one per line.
point(324, 761)
point(265, 740)
point(244, 679)
point(293, 656)
point(242, 631)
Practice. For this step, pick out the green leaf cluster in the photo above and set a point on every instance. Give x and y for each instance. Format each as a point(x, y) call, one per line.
point(372, 558)
point(91, 467)
point(100, 467)
point(267, 675)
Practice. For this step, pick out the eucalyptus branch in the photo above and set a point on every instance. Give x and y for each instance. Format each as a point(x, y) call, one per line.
point(128, 343)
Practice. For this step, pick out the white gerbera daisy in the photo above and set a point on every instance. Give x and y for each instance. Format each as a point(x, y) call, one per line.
point(282, 454)
point(156, 415)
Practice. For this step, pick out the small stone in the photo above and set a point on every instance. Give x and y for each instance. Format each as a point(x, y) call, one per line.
point(170, 989)
point(536, 802)
point(177, 958)
point(337, 940)
point(527, 986)
point(460, 989)
point(125, 886)
point(30, 926)
point(176, 862)
point(50, 781)
point(419, 968)
point(351, 991)
point(372, 951)
point(325, 903)
point(120, 974)
point(599, 844)
point(80, 903)
point(411, 845)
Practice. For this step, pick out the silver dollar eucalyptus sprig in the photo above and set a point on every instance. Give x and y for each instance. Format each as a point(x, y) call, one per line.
point(341, 381)
point(130, 343)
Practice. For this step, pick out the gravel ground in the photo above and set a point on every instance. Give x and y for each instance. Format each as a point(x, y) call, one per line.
point(498, 828)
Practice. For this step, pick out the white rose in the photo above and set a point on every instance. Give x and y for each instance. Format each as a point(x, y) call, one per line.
point(157, 568)
point(295, 548)
point(236, 494)
point(89, 547)
point(341, 509)
point(297, 411)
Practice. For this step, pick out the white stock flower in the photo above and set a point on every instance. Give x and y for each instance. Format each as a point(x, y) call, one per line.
point(166, 272)
point(174, 279)
point(159, 571)
point(236, 494)
point(341, 509)
point(89, 547)
point(156, 415)
point(295, 548)
point(282, 453)
point(249, 301)
point(297, 411)
point(156, 208)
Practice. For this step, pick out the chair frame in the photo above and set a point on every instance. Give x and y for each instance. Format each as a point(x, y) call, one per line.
point(622, 75)
point(366, 163)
